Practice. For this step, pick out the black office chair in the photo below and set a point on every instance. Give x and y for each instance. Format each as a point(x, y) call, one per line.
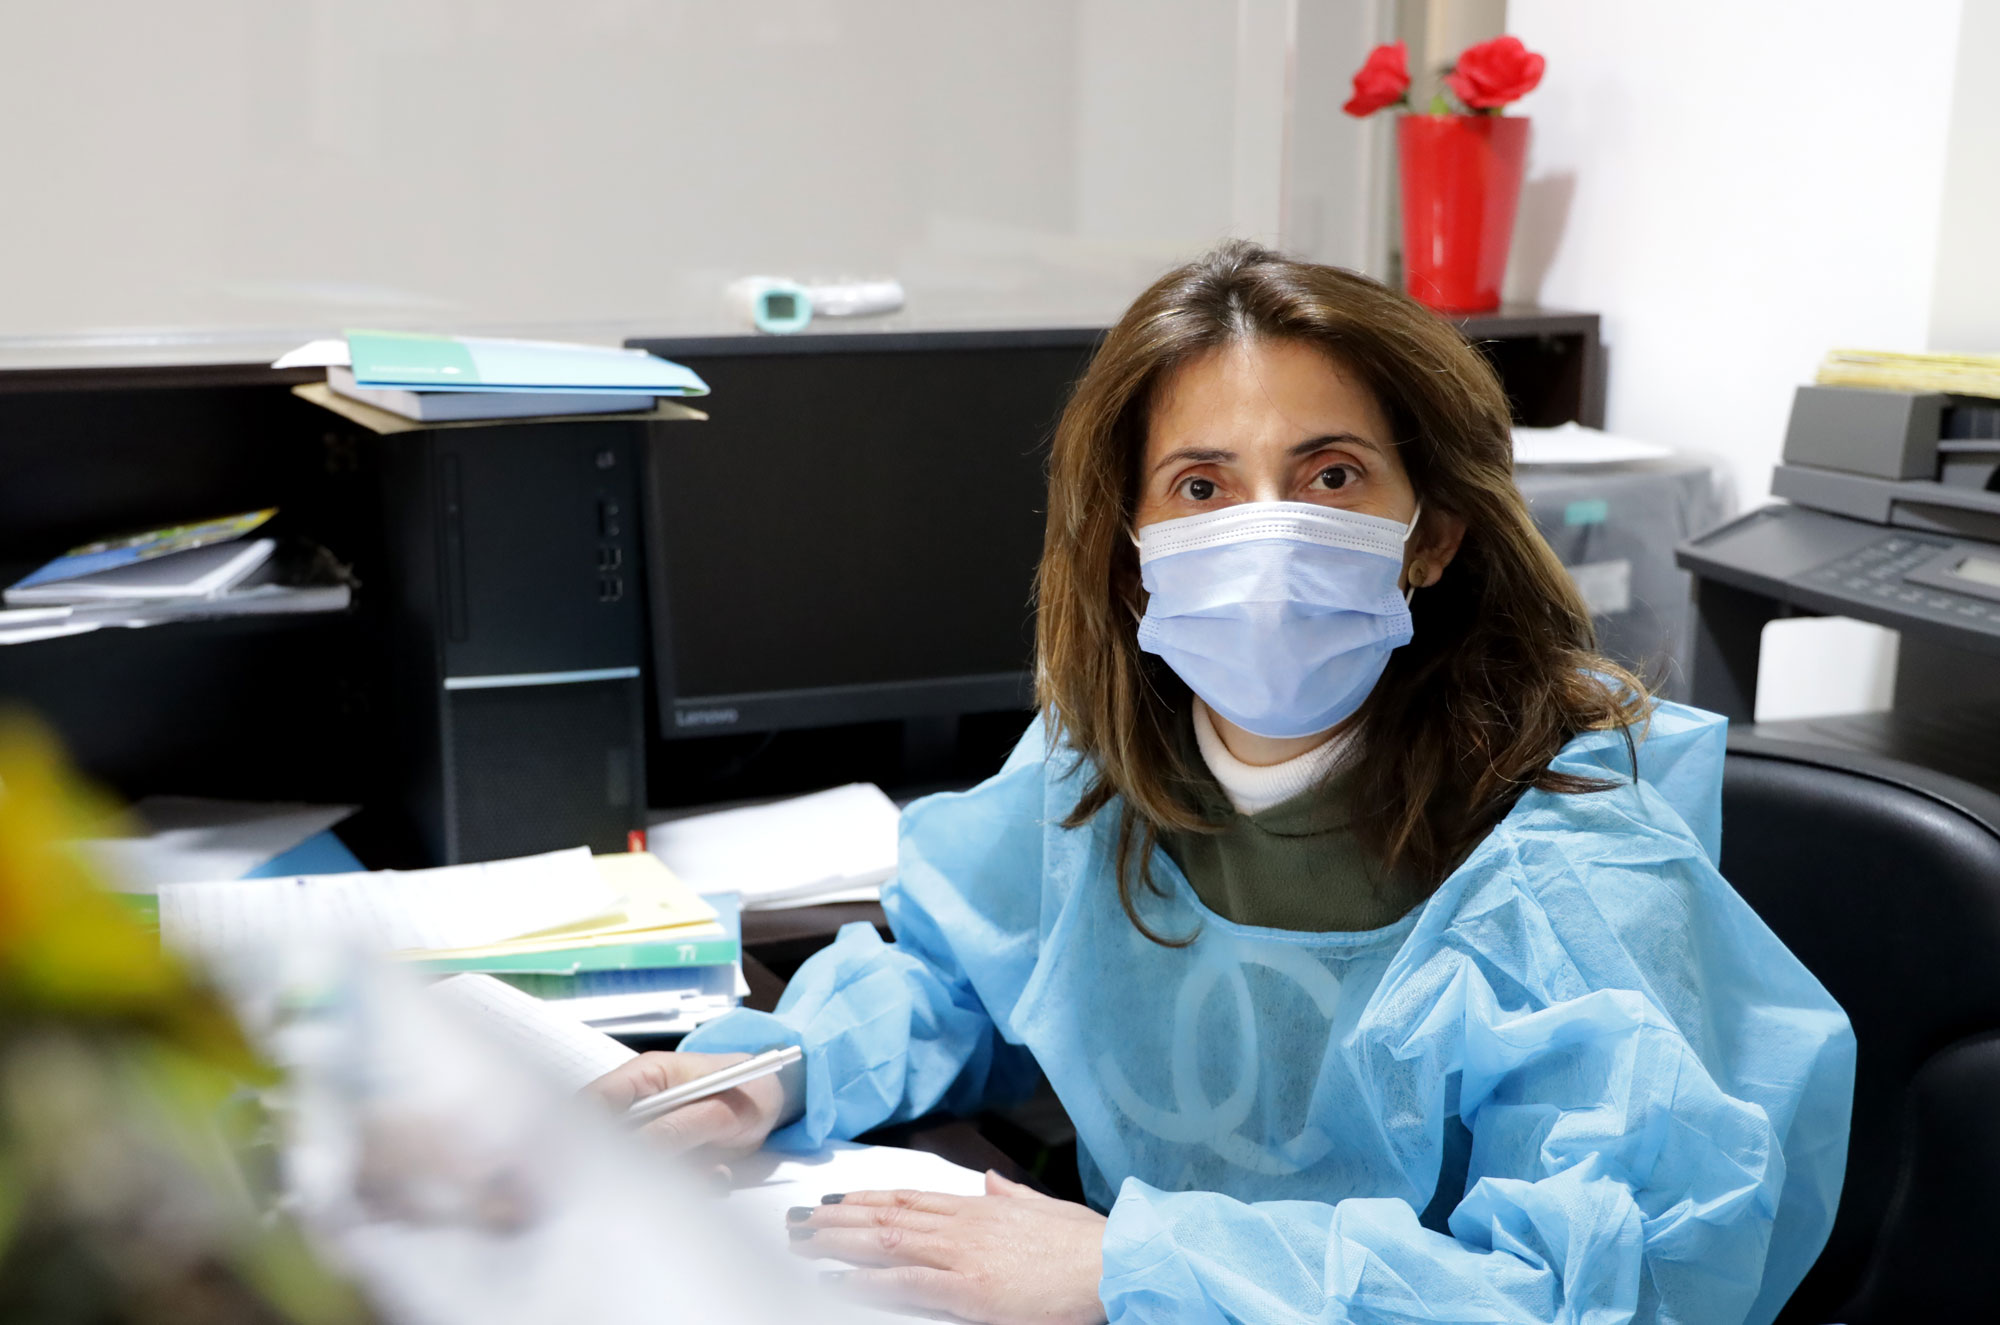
point(1884, 879)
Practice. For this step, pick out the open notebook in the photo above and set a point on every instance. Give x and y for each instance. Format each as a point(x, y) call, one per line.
point(568, 1053)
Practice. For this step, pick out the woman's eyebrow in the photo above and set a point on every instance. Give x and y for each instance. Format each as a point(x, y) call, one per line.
point(1311, 445)
point(1200, 455)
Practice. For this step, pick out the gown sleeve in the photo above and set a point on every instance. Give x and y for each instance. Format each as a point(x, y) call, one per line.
point(893, 1031)
point(1635, 1059)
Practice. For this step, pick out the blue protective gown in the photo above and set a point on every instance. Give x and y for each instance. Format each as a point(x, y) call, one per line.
point(1582, 1082)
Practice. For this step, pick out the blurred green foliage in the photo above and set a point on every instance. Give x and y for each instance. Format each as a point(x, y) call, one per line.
point(130, 1123)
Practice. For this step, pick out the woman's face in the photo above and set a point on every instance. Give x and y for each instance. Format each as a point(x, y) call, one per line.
point(1277, 420)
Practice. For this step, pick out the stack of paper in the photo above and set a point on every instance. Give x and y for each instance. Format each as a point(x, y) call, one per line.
point(184, 572)
point(456, 907)
point(612, 941)
point(658, 1000)
point(1574, 444)
point(1954, 374)
point(832, 846)
point(448, 379)
point(654, 921)
point(663, 961)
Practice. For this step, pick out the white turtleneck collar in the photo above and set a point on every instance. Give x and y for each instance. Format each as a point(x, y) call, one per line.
point(1253, 789)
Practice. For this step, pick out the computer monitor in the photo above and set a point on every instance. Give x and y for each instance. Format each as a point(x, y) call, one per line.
point(853, 534)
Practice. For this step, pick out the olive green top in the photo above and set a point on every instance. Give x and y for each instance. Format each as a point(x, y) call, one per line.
point(1293, 866)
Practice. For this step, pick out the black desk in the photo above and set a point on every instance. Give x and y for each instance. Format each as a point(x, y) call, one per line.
point(781, 940)
point(956, 1139)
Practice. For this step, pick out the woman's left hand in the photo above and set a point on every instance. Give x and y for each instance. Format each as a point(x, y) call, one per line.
point(1012, 1255)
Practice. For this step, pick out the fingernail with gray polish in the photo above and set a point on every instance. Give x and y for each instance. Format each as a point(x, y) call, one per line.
point(834, 1198)
point(801, 1234)
point(799, 1214)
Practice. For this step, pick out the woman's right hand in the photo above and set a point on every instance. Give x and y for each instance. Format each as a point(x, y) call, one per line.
point(734, 1122)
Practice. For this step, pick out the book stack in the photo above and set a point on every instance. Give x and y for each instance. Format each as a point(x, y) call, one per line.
point(1952, 374)
point(210, 568)
point(458, 379)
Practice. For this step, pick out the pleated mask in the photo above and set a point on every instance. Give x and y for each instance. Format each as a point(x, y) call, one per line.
point(1280, 615)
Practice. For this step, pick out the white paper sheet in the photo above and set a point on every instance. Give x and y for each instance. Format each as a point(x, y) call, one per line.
point(570, 1054)
point(768, 1184)
point(191, 839)
point(604, 1009)
point(1574, 444)
point(869, 893)
point(28, 634)
point(457, 906)
point(315, 354)
point(809, 847)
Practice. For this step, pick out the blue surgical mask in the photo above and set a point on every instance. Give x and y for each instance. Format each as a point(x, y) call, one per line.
point(1281, 615)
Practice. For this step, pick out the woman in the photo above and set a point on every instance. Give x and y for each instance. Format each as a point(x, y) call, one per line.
point(1365, 921)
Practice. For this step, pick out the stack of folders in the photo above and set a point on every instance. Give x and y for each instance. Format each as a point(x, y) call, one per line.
point(456, 379)
point(209, 568)
point(610, 941)
point(668, 961)
point(1952, 374)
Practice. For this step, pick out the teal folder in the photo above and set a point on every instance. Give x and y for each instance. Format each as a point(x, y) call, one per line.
point(409, 361)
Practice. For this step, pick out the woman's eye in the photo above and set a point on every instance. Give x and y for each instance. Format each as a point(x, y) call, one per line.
point(1334, 477)
point(1200, 489)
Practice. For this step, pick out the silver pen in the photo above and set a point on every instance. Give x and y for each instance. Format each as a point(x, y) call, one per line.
point(727, 1078)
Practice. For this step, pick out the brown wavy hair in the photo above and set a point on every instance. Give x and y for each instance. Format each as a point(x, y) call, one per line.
point(1503, 670)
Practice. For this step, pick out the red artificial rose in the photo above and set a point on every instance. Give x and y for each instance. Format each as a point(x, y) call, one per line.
point(1494, 73)
point(1381, 81)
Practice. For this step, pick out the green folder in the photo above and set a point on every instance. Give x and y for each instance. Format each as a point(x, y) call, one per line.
point(721, 950)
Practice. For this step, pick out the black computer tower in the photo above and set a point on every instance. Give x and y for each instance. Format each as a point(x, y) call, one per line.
point(504, 580)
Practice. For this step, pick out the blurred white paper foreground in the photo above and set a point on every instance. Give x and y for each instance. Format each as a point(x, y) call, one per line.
point(430, 1156)
point(765, 1185)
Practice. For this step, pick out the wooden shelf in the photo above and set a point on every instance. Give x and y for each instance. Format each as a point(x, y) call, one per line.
point(1551, 361)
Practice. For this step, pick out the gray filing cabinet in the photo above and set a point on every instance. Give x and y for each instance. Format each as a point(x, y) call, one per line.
point(1616, 527)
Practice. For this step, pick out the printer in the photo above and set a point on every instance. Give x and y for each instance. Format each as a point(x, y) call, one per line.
point(1891, 514)
point(1925, 462)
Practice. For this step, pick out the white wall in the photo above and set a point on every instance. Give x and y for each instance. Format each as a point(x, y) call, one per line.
point(1339, 171)
point(1738, 188)
point(1747, 186)
point(1965, 307)
point(255, 171)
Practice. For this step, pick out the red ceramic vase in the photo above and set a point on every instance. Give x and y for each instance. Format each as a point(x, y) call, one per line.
point(1461, 181)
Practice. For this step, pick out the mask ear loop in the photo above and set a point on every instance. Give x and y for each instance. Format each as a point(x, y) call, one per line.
point(1409, 590)
point(1138, 617)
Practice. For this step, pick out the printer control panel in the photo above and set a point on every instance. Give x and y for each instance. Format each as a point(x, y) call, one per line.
point(1951, 583)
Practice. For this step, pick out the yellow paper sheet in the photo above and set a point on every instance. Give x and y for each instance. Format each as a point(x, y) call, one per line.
point(656, 907)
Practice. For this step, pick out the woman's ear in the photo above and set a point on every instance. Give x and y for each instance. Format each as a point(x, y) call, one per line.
point(1436, 542)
